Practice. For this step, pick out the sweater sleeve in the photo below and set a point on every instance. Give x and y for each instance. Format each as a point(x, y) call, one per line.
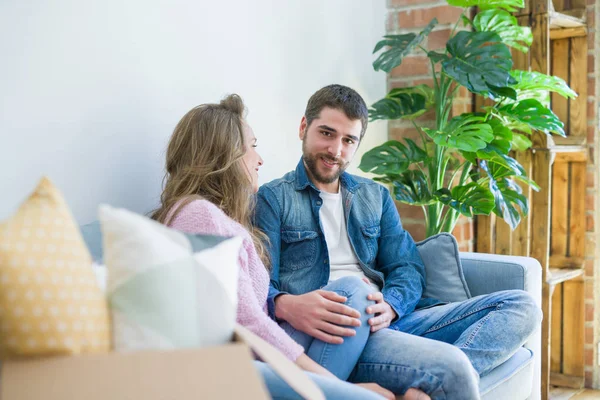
point(203, 217)
point(254, 317)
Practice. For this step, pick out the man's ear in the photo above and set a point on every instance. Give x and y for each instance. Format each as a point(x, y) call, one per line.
point(302, 129)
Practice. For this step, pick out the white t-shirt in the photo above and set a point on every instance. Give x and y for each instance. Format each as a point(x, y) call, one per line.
point(342, 260)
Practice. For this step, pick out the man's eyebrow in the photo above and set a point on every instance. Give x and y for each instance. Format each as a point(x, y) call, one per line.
point(327, 128)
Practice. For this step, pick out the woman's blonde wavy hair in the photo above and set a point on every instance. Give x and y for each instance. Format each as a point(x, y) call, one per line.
point(204, 161)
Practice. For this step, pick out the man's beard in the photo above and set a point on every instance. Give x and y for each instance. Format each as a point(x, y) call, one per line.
point(311, 161)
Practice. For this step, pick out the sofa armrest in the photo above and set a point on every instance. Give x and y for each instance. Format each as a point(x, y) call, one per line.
point(487, 273)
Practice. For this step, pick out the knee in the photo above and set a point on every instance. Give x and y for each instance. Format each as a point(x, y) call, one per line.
point(356, 291)
point(525, 305)
point(460, 370)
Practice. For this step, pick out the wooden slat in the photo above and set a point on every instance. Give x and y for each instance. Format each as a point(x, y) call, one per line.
point(562, 380)
point(556, 326)
point(560, 68)
point(559, 275)
point(540, 61)
point(560, 210)
point(575, 4)
point(484, 242)
point(577, 154)
point(540, 6)
point(559, 5)
point(577, 217)
point(573, 313)
point(568, 32)
point(540, 237)
point(557, 261)
point(578, 82)
point(503, 238)
point(521, 242)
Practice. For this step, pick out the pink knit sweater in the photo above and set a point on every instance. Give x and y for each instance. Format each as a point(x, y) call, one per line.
point(203, 217)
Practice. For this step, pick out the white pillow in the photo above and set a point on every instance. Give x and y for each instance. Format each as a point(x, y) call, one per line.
point(167, 289)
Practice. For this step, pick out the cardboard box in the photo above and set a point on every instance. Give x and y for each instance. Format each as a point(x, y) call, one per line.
point(223, 372)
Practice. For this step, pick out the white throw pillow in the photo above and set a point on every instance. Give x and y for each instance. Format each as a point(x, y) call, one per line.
point(167, 289)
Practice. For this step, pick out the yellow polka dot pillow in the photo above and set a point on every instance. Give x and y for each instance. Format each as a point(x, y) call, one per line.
point(50, 303)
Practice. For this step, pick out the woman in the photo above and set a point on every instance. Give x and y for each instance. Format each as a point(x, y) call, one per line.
point(212, 172)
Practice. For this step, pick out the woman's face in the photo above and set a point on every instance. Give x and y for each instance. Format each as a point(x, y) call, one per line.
point(252, 160)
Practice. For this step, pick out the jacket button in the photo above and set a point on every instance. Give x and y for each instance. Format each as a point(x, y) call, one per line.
point(325, 261)
point(319, 203)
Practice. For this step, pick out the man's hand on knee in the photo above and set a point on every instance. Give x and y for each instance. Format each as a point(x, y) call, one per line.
point(321, 314)
point(384, 313)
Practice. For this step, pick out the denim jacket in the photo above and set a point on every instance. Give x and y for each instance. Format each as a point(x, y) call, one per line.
point(287, 211)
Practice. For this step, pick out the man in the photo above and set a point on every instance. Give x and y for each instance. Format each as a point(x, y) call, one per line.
point(324, 223)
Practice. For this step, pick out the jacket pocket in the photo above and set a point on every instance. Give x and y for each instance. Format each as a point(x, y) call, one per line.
point(300, 249)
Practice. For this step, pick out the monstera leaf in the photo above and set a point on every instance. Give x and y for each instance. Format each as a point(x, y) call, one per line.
point(406, 103)
point(480, 62)
point(468, 199)
point(534, 114)
point(530, 83)
point(508, 5)
point(467, 132)
point(412, 187)
point(506, 26)
point(520, 142)
point(392, 158)
point(399, 47)
point(507, 196)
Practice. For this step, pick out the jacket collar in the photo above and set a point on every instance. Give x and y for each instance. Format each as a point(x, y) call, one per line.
point(302, 180)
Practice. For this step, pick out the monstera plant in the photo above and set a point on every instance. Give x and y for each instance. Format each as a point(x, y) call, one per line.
point(464, 164)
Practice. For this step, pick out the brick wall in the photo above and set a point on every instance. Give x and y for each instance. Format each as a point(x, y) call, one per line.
point(592, 262)
point(412, 16)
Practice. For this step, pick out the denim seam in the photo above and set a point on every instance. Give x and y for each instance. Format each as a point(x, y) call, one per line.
point(323, 361)
point(462, 316)
point(480, 324)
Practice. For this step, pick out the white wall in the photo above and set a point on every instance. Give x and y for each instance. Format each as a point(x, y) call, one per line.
point(90, 91)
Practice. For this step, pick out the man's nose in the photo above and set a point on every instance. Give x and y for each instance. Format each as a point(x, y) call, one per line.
point(335, 149)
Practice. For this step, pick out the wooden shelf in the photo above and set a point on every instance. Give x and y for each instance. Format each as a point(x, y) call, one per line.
point(563, 33)
point(574, 382)
point(567, 19)
point(562, 262)
point(559, 275)
point(570, 140)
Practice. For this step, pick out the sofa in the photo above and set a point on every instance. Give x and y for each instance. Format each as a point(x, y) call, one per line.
point(519, 378)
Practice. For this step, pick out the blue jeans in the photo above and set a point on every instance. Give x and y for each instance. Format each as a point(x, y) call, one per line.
point(443, 350)
point(334, 389)
point(340, 359)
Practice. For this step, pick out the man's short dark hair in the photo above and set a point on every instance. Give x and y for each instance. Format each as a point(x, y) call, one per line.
point(341, 98)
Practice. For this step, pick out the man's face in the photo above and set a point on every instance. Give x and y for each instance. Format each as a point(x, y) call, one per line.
point(328, 146)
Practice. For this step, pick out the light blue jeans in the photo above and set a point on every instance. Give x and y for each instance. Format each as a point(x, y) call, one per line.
point(443, 350)
point(340, 359)
point(334, 389)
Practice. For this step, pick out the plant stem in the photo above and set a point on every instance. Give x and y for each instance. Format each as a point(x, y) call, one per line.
point(418, 128)
point(457, 22)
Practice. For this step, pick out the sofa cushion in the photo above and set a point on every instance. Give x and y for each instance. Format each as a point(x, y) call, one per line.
point(50, 303)
point(167, 289)
point(444, 278)
point(511, 380)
